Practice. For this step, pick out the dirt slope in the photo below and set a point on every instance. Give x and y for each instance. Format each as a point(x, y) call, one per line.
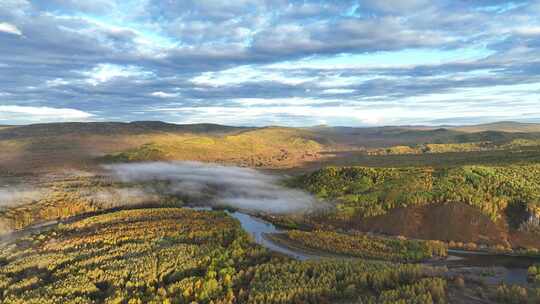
point(448, 222)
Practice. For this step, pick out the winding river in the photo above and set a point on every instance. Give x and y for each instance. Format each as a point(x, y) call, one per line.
point(258, 228)
point(491, 268)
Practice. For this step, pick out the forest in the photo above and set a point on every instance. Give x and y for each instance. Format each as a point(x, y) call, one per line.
point(64, 196)
point(507, 144)
point(175, 255)
point(367, 247)
point(89, 238)
point(269, 152)
point(497, 191)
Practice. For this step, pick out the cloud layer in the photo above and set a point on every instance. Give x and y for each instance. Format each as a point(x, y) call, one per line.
point(296, 62)
point(210, 184)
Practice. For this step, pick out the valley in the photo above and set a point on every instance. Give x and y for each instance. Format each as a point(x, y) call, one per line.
point(269, 152)
point(157, 213)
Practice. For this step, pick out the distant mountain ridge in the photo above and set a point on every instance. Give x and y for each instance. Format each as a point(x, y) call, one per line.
point(137, 127)
point(76, 144)
point(108, 128)
point(503, 126)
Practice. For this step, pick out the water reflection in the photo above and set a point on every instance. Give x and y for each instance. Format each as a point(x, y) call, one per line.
point(257, 228)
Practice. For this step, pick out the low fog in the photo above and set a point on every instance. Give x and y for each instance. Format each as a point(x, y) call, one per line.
point(121, 197)
point(15, 196)
point(217, 185)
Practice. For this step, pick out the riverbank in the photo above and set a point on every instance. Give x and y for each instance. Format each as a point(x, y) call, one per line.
point(477, 268)
point(474, 265)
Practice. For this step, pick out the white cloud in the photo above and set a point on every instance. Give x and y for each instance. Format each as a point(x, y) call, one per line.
point(396, 5)
point(105, 72)
point(293, 101)
point(300, 115)
point(246, 74)
point(470, 104)
point(161, 94)
point(28, 114)
point(338, 91)
point(9, 28)
point(56, 82)
point(528, 31)
point(287, 74)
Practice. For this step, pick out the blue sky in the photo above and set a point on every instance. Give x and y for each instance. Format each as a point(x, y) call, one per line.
point(270, 62)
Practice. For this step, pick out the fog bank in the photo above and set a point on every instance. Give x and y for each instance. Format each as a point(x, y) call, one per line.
point(120, 197)
point(15, 196)
point(218, 185)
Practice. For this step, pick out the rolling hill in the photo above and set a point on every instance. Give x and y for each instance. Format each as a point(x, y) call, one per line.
point(489, 205)
point(503, 126)
point(399, 194)
point(42, 147)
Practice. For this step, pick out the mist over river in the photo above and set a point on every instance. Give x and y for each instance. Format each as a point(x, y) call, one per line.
point(217, 185)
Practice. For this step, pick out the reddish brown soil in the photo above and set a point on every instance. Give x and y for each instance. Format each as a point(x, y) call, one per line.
point(520, 239)
point(448, 222)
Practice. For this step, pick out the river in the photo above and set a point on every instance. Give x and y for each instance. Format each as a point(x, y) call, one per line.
point(493, 269)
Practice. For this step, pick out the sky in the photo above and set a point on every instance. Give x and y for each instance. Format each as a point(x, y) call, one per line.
point(270, 62)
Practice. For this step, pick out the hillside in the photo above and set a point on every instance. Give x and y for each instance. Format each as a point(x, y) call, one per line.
point(82, 220)
point(349, 137)
point(80, 145)
point(109, 128)
point(466, 204)
point(394, 136)
point(264, 147)
point(48, 147)
point(503, 126)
